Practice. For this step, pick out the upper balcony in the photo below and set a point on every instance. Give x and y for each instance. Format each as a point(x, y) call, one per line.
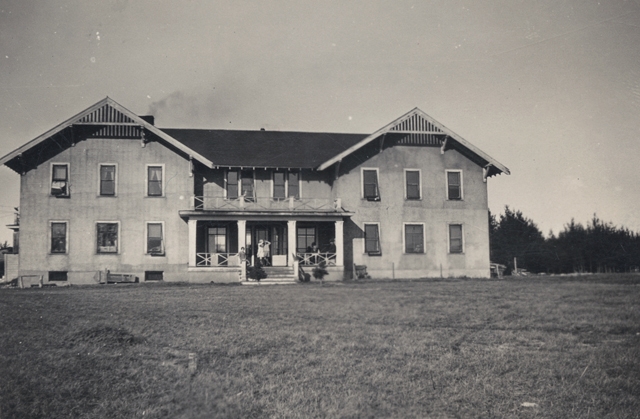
point(208, 203)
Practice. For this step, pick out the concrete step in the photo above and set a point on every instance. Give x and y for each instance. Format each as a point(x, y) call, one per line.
point(278, 274)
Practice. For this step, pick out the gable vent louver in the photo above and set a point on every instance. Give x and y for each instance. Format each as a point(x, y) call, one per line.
point(117, 124)
point(421, 132)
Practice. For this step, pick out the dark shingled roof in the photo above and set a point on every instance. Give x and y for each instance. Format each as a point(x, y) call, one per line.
point(264, 148)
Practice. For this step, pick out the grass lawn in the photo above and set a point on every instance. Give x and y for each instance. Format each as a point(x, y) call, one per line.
point(526, 348)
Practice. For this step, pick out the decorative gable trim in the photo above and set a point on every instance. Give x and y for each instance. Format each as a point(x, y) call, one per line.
point(115, 121)
point(421, 129)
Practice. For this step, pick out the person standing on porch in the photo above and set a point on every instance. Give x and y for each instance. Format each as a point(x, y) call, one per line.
point(267, 251)
point(242, 256)
point(260, 253)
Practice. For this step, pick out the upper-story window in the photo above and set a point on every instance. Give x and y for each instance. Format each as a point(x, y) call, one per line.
point(412, 188)
point(107, 179)
point(454, 184)
point(293, 184)
point(155, 176)
point(286, 184)
point(279, 185)
point(240, 183)
point(60, 179)
point(370, 190)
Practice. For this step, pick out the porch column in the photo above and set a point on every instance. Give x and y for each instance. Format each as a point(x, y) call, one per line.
point(291, 242)
point(242, 235)
point(193, 224)
point(242, 242)
point(339, 243)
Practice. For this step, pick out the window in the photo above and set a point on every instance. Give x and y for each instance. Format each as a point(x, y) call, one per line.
point(247, 185)
point(240, 183)
point(58, 237)
point(153, 275)
point(372, 239)
point(454, 184)
point(232, 184)
point(294, 185)
point(60, 180)
point(414, 238)
point(370, 184)
point(107, 234)
point(217, 240)
point(306, 239)
point(279, 185)
point(155, 238)
point(412, 184)
point(57, 276)
point(455, 238)
point(107, 180)
point(286, 185)
point(154, 180)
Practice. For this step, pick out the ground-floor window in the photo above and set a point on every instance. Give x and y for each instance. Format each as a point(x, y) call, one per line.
point(155, 241)
point(455, 238)
point(107, 233)
point(217, 239)
point(306, 239)
point(414, 238)
point(372, 239)
point(58, 237)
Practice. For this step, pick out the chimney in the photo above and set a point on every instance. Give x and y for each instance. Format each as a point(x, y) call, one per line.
point(148, 118)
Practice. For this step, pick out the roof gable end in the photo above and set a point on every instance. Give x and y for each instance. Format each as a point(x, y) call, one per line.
point(110, 120)
point(420, 128)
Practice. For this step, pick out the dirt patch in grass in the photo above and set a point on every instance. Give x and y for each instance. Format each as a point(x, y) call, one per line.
point(106, 336)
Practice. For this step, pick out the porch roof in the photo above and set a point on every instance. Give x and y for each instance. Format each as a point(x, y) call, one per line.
point(266, 215)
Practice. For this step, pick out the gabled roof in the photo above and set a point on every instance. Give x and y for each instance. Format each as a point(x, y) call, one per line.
point(104, 113)
point(302, 150)
point(417, 123)
point(275, 149)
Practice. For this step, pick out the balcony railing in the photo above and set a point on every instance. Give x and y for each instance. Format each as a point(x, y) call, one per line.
point(217, 259)
point(266, 204)
point(306, 259)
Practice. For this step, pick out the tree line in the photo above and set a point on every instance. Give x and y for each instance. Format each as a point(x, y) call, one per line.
point(596, 247)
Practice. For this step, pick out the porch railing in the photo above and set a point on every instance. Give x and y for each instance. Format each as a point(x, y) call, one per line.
point(217, 259)
point(307, 259)
point(200, 203)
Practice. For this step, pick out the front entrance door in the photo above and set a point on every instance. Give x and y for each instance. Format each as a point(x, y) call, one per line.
point(276, 234)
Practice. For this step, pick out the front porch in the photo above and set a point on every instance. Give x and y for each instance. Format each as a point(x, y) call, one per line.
point(220, 244)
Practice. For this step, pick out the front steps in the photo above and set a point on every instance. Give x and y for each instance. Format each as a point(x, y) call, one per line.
point(277, 275)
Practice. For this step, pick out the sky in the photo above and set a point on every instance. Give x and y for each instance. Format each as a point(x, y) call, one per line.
point(551, 89)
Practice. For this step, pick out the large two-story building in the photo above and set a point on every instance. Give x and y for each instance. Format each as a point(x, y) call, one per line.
point(108, 190)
